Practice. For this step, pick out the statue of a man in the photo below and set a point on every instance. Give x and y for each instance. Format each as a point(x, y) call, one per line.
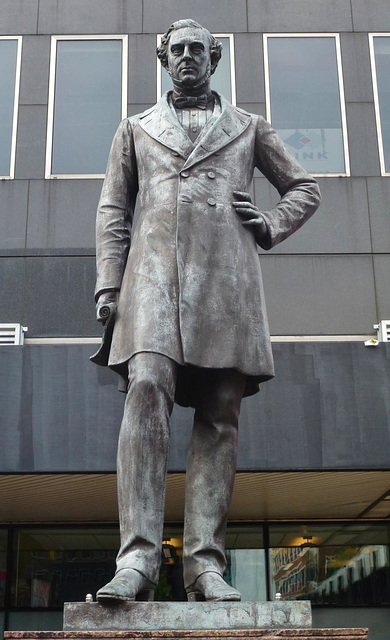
point(183, 282)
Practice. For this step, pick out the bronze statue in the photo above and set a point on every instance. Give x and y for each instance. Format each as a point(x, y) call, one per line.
point(180, 283)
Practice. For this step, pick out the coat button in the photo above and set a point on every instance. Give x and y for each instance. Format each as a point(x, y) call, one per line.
point(185, 174)
point(211, 202)
point(211, 175)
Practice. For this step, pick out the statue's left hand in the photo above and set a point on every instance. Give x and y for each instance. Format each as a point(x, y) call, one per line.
point(250, 215)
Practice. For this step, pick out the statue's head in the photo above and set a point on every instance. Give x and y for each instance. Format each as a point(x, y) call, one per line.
point(189, 53)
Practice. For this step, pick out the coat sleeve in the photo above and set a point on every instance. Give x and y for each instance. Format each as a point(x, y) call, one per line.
point(300, 194)
point(115, 211)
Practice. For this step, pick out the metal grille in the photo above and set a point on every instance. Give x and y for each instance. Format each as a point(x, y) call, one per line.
point(12, 334)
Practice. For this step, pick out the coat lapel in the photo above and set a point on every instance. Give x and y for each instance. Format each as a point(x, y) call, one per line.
point(230, 124)
point(161, 124)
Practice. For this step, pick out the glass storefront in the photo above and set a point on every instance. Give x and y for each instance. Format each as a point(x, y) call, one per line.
point(337, 566)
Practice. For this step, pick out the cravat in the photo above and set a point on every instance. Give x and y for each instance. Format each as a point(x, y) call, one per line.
point(182, 101)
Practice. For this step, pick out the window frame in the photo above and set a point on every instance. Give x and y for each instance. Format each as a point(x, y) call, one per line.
point(231, 60)
point(344, 128)
point(15, 111)
point(378, 120)
point(51, 101)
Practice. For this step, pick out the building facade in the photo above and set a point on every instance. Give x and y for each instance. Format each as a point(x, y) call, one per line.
point(310, 516)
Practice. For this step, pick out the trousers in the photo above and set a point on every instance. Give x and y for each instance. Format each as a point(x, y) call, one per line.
point(142, 465)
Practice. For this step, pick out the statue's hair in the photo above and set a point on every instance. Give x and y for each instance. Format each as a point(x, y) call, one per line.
point(215, 45)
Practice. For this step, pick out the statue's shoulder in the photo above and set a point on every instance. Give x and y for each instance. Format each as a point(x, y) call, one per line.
point(243, 112)
point(132, 121)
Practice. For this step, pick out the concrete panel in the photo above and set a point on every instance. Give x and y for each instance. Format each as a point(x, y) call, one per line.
point(218, 17)
point(299, 16)
point(382, 278)
point(30, 144)
point(18, 17)
point(379, 210)
point(363, 139)
point(142, 66)
point(356, 65)
point(370, 16)
point(58, 297)
point(90, 16)
point(249, 67)
point(11, 287)
point(13, 213)
point(318, 413)
point(321, 406)
point(34, 84)
point(61, 214)
point(314, 295)
point(340, 225)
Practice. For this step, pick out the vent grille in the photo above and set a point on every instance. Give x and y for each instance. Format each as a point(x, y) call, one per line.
point(383, 330)
point(12, 334)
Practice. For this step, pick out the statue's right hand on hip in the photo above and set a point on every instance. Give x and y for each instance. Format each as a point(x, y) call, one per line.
point(106, 305)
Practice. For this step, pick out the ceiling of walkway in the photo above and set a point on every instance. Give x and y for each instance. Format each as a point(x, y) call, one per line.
point(257, 496)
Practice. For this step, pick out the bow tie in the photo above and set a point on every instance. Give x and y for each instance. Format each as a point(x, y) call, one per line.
point(181, 101)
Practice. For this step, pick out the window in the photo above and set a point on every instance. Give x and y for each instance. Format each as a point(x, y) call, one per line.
point(305, 99)
point(87, 100)
point(223, 80)
point(331, 564)
point(380, 64)
point(10, 57)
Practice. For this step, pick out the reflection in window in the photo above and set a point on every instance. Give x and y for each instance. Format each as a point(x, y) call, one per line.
point(9, 91)
point(221, 81)
point(305, 101)
point(380, 52)
point(333, 565)
point(87, 104)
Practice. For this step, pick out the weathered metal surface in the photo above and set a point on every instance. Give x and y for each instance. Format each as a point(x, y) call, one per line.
point(182, 282)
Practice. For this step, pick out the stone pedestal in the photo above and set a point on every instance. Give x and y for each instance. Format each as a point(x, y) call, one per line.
point(242, 634)
point(159, 616)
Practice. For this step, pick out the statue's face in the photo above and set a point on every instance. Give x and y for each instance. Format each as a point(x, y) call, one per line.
point(189, 56)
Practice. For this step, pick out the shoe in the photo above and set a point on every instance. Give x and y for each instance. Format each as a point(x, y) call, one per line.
point(127, 585)
point(211, 586)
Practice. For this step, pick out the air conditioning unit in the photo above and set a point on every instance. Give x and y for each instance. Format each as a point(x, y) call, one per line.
point(12, 334)
point(383, 330)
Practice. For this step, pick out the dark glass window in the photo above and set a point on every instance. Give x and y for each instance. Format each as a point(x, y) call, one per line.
point(53, 566)
point(382, 66)
point(221, 80)
point(8, 80)
point(3, 565)
point(87, 104)
point(343, 565)
point(304, 102)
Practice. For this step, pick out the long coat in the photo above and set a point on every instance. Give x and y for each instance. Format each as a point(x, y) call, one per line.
point(188, 271)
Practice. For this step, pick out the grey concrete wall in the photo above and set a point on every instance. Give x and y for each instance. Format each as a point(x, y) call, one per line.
point(329, 278)
point(327, 408)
